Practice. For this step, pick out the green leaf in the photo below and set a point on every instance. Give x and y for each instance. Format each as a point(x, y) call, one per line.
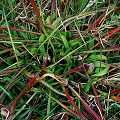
point(9, 61)
point(62, 53)
point(17, 51)
point(103, 94)
point(5, 79)
point(5, 92)
point(34, 51)
point(74, 42)
point(65, 42)
point(69, 62)
point(54, 24)
point(97, 64)
point(90, 70)
point(88, 86)
point(48, 20)
point(41, 39)
point(91, 44)
point(57, 72)
point(103, 72)
point(42, 48)
point(97, 57)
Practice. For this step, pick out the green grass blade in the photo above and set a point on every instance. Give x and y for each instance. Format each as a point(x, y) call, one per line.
point(10, 36)
point(5, 92)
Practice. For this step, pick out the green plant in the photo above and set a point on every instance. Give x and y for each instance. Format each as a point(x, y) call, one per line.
point(59, 56)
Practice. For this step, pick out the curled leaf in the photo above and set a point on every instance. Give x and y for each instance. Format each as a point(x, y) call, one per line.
point(103, 72)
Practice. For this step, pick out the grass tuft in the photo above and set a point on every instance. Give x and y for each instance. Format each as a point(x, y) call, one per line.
point(59, 59)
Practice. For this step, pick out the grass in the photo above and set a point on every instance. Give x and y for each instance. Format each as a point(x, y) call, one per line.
point(59, 60)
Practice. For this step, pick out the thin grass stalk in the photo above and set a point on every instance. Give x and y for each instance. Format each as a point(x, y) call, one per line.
point(89, 109)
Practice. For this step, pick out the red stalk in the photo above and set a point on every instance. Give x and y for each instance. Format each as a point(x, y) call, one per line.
point(116, 98)
point(98, 21)
point(116, 91)
point(112, 32)
point(73, 103)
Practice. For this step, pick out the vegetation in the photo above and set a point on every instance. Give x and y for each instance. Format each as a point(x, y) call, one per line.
point(60, 59)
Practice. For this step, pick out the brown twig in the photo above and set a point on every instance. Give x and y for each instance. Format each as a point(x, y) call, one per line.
point(7, 72)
